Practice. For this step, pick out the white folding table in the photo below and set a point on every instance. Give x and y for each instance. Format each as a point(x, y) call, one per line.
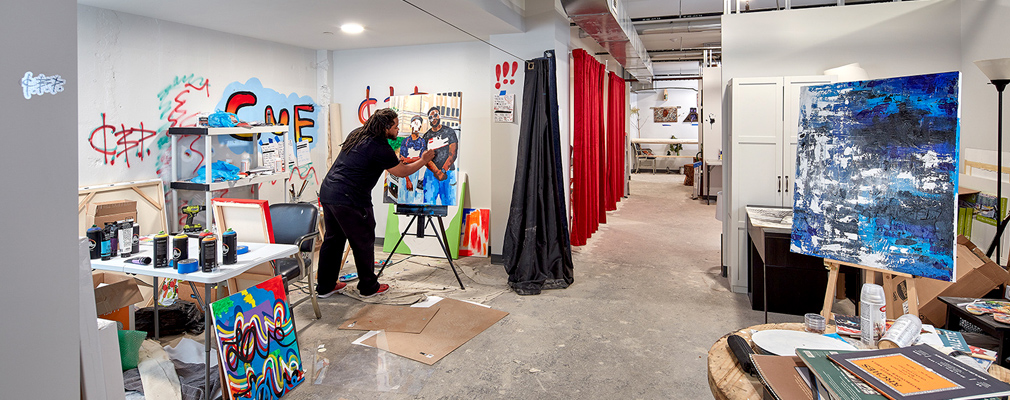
point(258, 253)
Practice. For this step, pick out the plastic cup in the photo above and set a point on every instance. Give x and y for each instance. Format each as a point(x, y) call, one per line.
point(814, 323)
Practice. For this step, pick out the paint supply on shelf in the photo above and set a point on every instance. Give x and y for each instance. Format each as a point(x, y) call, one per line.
point(208, 253)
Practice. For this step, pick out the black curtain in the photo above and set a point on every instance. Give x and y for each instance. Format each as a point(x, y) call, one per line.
point(537, 249)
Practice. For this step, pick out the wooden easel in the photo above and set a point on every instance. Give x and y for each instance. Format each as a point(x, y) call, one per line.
point(869, 277)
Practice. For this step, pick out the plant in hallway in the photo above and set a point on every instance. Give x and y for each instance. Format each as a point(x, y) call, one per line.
point(675, 148)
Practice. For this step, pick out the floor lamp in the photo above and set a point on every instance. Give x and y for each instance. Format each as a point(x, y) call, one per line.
point(998, 72)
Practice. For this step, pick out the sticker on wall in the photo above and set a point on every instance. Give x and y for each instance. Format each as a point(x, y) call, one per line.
point(503, 108)
point(692, 116)
point(41, 84)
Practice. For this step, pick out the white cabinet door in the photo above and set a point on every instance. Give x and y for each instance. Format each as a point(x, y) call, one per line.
point(791, 123)
point(757, 141)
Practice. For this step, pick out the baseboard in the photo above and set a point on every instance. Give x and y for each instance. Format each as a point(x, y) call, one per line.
point(497, 259)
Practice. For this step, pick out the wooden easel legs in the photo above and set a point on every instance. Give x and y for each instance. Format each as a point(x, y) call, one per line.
point(869, 277)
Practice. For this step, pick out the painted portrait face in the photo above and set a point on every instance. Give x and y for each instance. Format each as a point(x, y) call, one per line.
point(415, 124)
point(433, 118)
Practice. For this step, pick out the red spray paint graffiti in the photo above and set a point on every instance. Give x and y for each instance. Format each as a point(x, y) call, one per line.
point(502, 71)
point(125, 141)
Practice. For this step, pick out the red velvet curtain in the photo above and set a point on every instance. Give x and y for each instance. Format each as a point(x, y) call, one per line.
point(616, 103)
point(589, 157)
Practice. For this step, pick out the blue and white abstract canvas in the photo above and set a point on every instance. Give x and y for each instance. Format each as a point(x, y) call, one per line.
point(876, 173)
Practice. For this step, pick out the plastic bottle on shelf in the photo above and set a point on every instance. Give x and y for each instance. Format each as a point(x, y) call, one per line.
point(244, 162)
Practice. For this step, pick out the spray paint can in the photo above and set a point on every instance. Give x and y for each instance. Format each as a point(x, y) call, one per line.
point(180, 249)
point(871, 314)
point(229, 247)
point(136, 237)
point(208, 253)
point(125, 238)
point(161, 250)
point(111, 237)
point(94, 235)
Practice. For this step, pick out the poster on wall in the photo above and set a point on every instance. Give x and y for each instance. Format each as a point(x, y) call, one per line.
point(430, 121)
point(503, 108)
point(664, 114)
point(876, 176)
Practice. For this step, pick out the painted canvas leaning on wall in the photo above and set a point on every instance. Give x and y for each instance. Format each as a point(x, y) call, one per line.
point(432, 121)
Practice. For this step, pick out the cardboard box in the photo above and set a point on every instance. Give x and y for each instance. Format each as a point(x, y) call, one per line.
point(115, 296)
point(111, 211)
point(976, 276)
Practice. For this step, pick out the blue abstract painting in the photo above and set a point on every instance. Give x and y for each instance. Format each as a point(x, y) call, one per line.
point(876, 173)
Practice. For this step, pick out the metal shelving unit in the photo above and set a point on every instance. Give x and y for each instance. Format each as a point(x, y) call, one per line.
point(208, 188)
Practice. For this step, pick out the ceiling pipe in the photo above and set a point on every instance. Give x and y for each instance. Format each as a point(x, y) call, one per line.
point(607, 22)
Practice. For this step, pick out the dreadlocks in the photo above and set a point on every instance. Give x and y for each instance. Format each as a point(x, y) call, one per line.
point(376, 127)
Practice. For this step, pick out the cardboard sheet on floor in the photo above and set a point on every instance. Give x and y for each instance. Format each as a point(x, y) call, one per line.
point(455, 323)
point(382, 317)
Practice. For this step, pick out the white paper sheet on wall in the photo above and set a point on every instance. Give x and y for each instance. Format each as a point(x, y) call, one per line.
point(302, 150)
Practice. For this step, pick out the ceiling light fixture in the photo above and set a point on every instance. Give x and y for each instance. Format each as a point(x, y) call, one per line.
point(352, 28)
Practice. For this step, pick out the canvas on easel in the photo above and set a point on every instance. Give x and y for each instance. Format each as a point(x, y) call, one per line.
point(876, 176)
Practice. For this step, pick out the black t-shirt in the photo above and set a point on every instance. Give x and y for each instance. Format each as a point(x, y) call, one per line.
point(448, 135)
point(356, 171)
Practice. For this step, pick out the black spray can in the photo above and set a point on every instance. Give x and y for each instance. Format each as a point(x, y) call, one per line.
point(229, 247)
point(136, 237)
point(180, 249)
point(208, 253)
point(111, 236)
point(95, 235)
point(161, 250)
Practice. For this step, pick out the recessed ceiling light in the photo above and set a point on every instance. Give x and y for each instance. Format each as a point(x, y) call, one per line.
point(352, 28)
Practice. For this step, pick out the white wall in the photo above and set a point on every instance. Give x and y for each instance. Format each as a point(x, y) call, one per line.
point(886, 39)
point(984, 32)
point(143, 73)
point(40, 334)
point(451, 67)
point(546, 30)
point(682, 94)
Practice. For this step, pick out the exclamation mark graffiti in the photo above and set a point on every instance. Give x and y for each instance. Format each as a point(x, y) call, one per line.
point(515, 67)
point(497, 76)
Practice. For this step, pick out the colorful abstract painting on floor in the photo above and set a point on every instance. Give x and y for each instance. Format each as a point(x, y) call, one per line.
point(475, 233)
point(876, 176)
point(256, 339)
point(427, 121)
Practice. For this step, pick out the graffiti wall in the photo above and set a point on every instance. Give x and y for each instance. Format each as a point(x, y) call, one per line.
point(139, 77)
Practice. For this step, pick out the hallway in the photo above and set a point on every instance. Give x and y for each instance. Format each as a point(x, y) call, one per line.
point(647, 303)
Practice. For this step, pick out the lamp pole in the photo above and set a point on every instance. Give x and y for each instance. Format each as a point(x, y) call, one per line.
point(1000, 85)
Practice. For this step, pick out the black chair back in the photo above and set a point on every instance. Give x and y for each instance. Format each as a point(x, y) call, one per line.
point(291, 221)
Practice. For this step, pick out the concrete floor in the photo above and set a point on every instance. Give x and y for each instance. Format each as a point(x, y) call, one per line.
point(647, 303)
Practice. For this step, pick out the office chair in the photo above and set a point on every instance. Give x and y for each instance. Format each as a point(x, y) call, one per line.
point(295, 223)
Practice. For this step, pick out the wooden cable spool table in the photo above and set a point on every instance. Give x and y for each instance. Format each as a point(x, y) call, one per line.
point(729, 382)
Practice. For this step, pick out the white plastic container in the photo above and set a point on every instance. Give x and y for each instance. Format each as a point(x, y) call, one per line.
point(244, 162)
point(872, 308)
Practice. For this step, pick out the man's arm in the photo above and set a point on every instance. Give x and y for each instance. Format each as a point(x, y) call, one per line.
point(402, 170)
point(452, 156)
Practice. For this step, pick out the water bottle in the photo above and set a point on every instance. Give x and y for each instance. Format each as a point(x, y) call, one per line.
point(872, 309)
point(244, 163)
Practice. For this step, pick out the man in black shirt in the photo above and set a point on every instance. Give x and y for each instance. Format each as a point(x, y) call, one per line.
point(347, 201)
point(440, 176)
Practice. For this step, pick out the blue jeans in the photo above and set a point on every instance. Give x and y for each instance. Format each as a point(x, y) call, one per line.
point(435, 189)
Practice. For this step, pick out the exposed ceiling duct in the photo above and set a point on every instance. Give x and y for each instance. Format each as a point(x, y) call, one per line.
point(607, 22)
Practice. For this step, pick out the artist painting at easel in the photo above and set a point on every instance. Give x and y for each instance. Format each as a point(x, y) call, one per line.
point(347, 201)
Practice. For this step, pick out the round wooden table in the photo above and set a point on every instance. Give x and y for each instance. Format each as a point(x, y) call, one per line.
point(729, 382)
